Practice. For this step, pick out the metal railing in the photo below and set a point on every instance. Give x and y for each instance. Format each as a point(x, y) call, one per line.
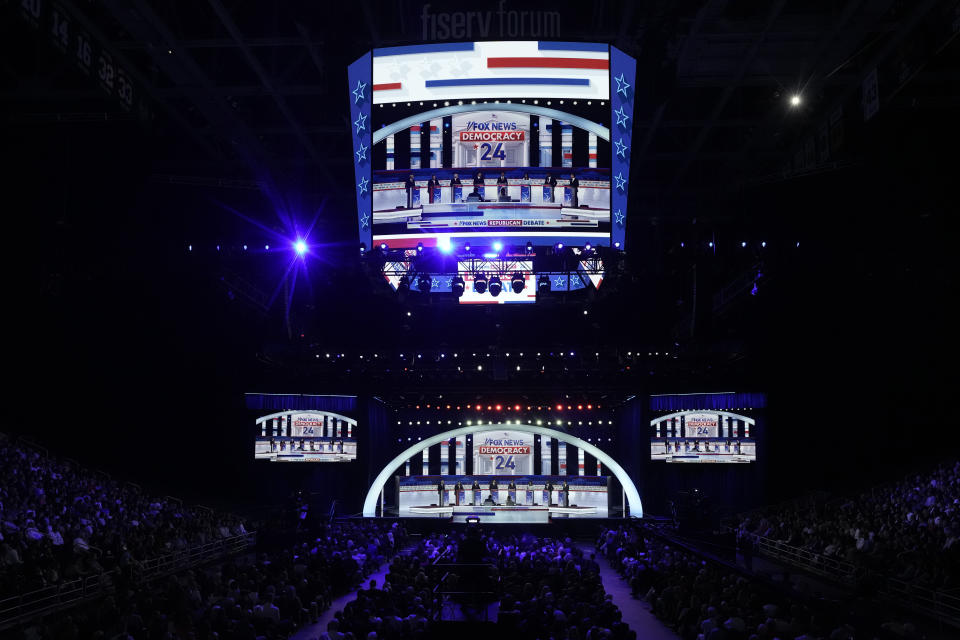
point(943, 606)
point(25, 606)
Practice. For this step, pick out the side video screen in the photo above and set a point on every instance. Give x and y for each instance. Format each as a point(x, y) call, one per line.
point(703, 437)
point(305, 436)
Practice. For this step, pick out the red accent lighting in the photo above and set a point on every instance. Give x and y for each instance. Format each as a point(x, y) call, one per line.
point(559, 407)
point(499, 407)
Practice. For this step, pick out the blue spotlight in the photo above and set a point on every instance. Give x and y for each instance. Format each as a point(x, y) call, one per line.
point(743, 244)
point(266, 247)
point(498, 246)
point(587, 247)
point(383, 246)
point(443, 243)
point(419, 247)
point(616, 245)
point(763, 244)
point(300, 247)
point(466, 247)
point(559, 246)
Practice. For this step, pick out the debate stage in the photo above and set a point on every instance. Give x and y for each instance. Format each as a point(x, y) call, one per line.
point(499, 514)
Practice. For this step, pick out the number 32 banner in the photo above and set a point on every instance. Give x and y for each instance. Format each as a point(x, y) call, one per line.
point(503, 453)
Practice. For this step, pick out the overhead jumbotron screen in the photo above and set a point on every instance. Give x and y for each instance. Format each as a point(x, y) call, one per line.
point(510, 141)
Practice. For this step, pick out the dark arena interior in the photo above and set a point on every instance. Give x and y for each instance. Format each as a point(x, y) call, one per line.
point(613, 320)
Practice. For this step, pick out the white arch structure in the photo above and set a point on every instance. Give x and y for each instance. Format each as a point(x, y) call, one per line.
point(632, 495)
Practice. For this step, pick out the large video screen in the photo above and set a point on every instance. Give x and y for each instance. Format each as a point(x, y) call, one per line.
point(703, 437)
point(510, 140)
point(305, 436)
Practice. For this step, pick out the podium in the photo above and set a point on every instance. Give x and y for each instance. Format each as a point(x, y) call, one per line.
point(457, 193)
point(567, 197)
point(547, 193)
point(436, 194)
point(414, 198)
point(524, 193)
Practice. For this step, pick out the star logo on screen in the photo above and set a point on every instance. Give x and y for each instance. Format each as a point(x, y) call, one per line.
point(618, 215)
point(364, 221)
point(559, 282)
point(621, 148)
point(358, 92)
point(622, 85)
point(362, 185)
point(621, 116)
point(362, 152)
point(361, 123)
point(621, 181)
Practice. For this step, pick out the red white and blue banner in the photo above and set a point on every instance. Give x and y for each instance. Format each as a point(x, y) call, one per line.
point(509, 69)
point(623, 72)
point(360, 87)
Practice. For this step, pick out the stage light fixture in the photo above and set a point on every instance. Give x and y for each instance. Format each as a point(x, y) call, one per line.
point(529, 247)
point(498, 246)
point(363, 247)
point(743, 244)
point(517, 283)
point(543, 284)
point(559, 246)
point(443, 243)
point(424, 282)
point(480, 283)
point(403, 284)
point(495, 286)
point(587, 247)
point(466, 247)
point(383, 246)
point(300, 247)
point(458, 286)
point(419, 247)
point(616, 245)
point(764, 244)
point(795, 100)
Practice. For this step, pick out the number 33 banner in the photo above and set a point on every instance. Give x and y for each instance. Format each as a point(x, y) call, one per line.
point(503, 453)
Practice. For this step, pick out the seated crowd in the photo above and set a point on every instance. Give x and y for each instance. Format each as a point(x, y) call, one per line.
point(547, 589)
point(59, 522)
point(262, 596)
point(908, 530)
point(704, 600)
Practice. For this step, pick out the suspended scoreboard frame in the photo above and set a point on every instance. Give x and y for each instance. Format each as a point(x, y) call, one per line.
point(621, 82)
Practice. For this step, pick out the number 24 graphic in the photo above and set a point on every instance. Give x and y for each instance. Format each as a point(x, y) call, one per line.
point(498, 152)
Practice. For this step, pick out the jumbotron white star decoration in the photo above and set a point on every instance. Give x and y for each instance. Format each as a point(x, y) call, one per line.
point(618, 216)
point(435, 284)
point(361, 123)
point(621, 181)
point(559, 282)
point(362, 185)
point(364, 221)
point(358, 92)
point(621, 116)
point(621, 148)
point(362, 152)
point(622, 85)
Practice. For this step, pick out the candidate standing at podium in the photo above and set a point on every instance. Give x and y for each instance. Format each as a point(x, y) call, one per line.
point(566, 494)
point(495, 491)
point(458, 489)
point(478, 183)
point(551, 182)
point(410, 185)
point(431, 184)
point(476, 492)
point(502, 186)
point(574, 191)
point(440, 490)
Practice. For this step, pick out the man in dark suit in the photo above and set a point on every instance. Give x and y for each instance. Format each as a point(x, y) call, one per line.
point(458, 489)
point(551, 182)
point(431, 183)
point(566, 494)
point(574, 191)
point(495, 491)
point(476, 491)
point(440, 490)
point(410, 185)
point(502, 184)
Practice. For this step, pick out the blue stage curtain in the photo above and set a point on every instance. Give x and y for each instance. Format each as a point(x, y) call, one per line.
point(300, 402)
point(718, 401)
